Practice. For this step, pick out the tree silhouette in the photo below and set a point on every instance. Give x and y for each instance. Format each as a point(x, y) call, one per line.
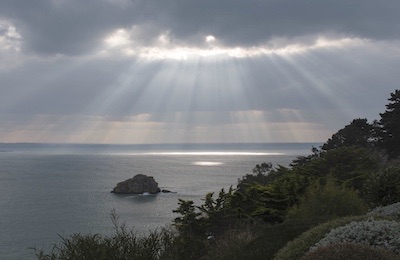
point(390, 126)
point(358, 133)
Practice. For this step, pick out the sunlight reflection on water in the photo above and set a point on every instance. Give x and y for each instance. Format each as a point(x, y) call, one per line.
point(208, 163)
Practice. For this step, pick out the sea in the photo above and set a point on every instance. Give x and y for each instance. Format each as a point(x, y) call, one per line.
point(51, 191)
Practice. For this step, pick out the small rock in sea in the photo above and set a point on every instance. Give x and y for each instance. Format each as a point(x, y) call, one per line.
point(139, 184)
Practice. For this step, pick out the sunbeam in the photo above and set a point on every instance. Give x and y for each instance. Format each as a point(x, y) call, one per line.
point(167, 93)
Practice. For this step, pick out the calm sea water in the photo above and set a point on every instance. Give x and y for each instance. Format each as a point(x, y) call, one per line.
point(48, 191)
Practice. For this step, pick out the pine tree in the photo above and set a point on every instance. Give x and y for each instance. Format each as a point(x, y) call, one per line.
point(390, 126)
point(358, 133)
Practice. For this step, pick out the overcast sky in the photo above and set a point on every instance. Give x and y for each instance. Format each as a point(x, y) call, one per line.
point(174, 71)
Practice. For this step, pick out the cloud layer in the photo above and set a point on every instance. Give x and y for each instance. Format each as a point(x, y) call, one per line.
point(193, 71)
point(75, 27)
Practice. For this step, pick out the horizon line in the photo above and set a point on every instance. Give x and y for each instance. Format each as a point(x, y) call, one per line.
point(221, 143)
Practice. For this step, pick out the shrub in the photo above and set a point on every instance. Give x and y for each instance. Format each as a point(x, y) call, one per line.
point(392, 210)
point(275, 237)
point(233, 243)
point(119, 246)
point(383, 188)
point(377, 233)
point(124, 244)
point(322, 203)
point(349, 251)
point(255, 241)
point(296, 248)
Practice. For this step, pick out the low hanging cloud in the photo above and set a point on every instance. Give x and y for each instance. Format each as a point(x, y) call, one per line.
point(77, 27)
point(98, 70)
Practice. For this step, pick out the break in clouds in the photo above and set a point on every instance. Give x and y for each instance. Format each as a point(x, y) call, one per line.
point(254, 71)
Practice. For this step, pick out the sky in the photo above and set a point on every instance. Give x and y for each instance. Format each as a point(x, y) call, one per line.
point(190, 71)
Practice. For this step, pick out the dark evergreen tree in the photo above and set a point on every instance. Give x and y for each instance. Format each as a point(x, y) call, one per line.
point(390, 126)
point(358, 133)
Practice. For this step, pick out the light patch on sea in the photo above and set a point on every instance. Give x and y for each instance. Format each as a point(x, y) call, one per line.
point(208, 163)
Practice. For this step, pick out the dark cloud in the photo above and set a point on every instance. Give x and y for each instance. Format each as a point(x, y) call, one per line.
point(76, 27)
point(57, 75)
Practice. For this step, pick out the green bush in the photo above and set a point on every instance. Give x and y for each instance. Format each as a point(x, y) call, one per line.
point(384, 234)
point(125, 244)
point(349, 251)
point(274, 238)
point(296, 248)
point(257, 242)
point(392, 210)
point(325, 202)
point(119, 246)
point(383, 188)
point(233, 244)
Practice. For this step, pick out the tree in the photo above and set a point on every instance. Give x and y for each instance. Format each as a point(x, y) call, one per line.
point(263, 174)
point(390, 126)
point(348, 165)
point(358, 133)
point(383, 187)
point(304, 160)
point(188, 223)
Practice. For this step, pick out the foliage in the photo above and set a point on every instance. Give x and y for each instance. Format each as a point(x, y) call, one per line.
point(188, 223)
point(259, 202)
point(218, 214)
point(392, 210)
point(390, 126)
point(296, 248)
point(233, 244)
point(253, 202)
point(222, 215)
point(358, 133)
point(183, 247)
point(349, 251)
point(274, 238)
point(256, 241)
point(212, 217)
point(377, 233)
point(263, 174)
point(304, 160)
point(324, 202)
point(349, 166)
point(271, 201)
point(383, 187)
point(123, 244)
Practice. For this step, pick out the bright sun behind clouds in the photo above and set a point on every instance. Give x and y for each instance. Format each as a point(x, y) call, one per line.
point(210, 38)
point(124, 42)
